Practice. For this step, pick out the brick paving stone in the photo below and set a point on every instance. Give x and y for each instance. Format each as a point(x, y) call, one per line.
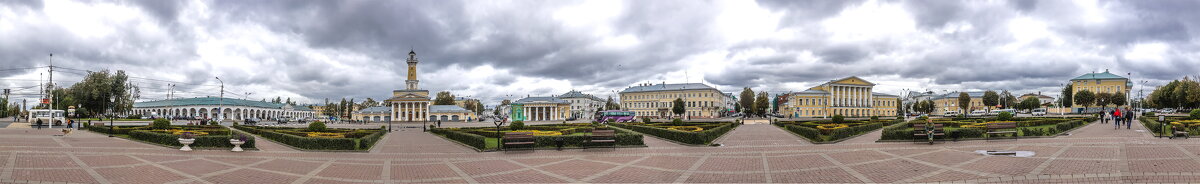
point(325, 181)
point(577, 169)
point(726, 178)
point(669, 162)
point(1168, 165)
point(289, 166)
point(538, 161)
point(1157, 151)
point(907, 152)
point(1011, 166)
point(250, 176)
point(854, 157)
point(237, 161)
point(893, 171)
point(614, 159)
point(1067, 167)
point(638, 175)
point(352, 171)
point(732, 164)
point(53, 175)
point(1091, 152)
point(832, 175)
point(162, 158)
point(107, 160)
point(1039, 151)
point(417, 172)
point(949, 176)
point(474, 168)
point(139, 174)
point(797, 162)
point(196, 167)
point(946, 157)
point(528, 176)
point(56, 161)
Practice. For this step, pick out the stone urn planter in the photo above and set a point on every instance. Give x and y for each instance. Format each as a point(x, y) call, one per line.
point(237, 145)
point(185, 143)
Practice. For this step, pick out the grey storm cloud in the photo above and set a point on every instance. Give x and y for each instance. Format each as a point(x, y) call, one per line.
point(335, 49)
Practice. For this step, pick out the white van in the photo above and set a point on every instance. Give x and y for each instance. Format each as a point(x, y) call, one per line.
point(43, 116)
point(1039, 112)
point(950, 114)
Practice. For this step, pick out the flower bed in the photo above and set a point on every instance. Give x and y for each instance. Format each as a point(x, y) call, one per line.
point(969, 128)
point(701, 133)
point(207, 136)
point(825, 131)
point(327, 139)
point(573, 135)
point(1151, 123)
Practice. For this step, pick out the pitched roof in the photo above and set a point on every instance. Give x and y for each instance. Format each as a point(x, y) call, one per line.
point(208, 101)
point(667, 87)
point(976, 94)
point(446, 109)
point(577, 94)
point(542, 100)
point(883, 94)
point(1097, 76)
point(376, 109)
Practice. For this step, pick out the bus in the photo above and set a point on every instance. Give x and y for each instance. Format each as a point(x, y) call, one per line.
point(615, 116)
point(44, 116)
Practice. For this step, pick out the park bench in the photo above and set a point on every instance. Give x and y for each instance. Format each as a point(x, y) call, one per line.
point(1001, 128)
point(919, 132)
point(602, 137)
point(515, 139)
point(1179, 131)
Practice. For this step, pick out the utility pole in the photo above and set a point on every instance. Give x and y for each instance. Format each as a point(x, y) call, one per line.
point(51, 93)
point(221, 101)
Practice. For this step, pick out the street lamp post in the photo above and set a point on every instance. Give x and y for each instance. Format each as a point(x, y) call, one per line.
point(221, 100)
point(112, 109)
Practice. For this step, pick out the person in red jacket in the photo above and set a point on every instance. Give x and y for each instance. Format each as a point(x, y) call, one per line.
point(1116, 118)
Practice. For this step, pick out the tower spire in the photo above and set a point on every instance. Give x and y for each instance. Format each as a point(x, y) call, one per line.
point(412, 82)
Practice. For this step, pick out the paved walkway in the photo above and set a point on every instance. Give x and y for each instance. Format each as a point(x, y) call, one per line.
point(1093, 154)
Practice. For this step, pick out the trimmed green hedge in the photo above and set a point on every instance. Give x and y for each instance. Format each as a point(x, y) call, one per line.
point(218, 141)
point(313, 143)
point(477, 141)
point(814, 135)
point(703, 137)
point(904, 132)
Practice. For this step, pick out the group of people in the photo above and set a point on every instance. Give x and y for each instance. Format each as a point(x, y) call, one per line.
point(1118, 116)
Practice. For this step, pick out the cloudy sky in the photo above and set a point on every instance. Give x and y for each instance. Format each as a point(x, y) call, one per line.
point(492, 50)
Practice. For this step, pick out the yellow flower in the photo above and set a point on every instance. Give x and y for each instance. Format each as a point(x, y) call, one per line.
point(832, 126)
point(686, 128)
point(194, 133)
point(326, 135)
point(541, 133)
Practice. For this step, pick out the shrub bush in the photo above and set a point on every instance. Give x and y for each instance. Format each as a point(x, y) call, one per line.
point(517, 125)
point(219, 141)
point(838, 118)
point(677, 122)
point(646, 120)
point(303, 142)
point(316, 126)
point(1004, 116)
point(477, 141)
point(704, 137)
point(1195, 114)
point(161, 123)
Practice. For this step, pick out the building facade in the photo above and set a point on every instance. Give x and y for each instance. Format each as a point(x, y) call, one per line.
point(656, 100)
point(949, 102)
point(373, 114)
point(850, 96)
point(583, 106)
point(445, 113)
point(412, 103)
point(539, 109)
point(220, 109)
point(1042, 99)
point(1101, 83)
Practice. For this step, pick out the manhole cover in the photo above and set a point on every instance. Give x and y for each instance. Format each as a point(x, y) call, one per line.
point(1006, 153)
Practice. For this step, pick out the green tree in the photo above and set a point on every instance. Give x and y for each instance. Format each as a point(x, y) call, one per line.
point(1085, 98)
point(1066, 98)
point(761, 103)
point(1007, 100)
point(1102, 100)
point(747, 100)
point(444, 98)
point(98, 90)
point(610, 105)
point(990, 99)
point(964, 102)
point(926, 106)
point(1117, 99)
point(900, 108)
point(1029, 103)
point(677, 107)
point(370, 103)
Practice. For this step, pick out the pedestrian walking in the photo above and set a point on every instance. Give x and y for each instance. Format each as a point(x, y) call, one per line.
point(1116, 114)
point(1104, 116)
point(1128, 119)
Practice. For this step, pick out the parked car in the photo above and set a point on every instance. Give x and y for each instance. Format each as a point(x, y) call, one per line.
point(997, 112)
point(950, 114)
point(977, 113)
point(250, 121)
point(1039, 112)
point(1168, 110)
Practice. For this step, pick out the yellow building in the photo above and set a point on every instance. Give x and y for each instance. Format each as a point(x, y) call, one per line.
point(949, 103)
point(1101, 83)
point(656, 100)
point(412, 103)
point(850, 96)
point(373, 114)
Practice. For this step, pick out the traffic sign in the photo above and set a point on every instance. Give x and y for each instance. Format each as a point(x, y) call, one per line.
point(46, 100)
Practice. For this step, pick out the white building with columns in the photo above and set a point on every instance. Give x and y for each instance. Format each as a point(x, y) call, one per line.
point(540, 109)
point(412, 103)
point(212, 108)
point(583, 106)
